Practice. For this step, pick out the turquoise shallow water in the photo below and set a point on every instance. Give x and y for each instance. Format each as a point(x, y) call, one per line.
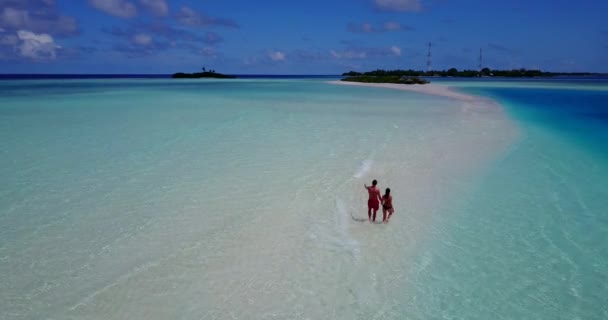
point(157, 199)
point(540, 212)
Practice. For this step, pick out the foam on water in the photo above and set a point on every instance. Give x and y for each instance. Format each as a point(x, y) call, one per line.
point(343, 219)
point(363, 169)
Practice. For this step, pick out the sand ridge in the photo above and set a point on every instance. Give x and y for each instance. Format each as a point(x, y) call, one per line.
point(431, 89)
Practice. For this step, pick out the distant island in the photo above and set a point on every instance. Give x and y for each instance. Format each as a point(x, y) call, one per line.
point(453, 72)
point(204, 74)
point(386, 79)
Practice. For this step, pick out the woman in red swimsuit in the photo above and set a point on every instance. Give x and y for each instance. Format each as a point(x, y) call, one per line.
point(387, 206)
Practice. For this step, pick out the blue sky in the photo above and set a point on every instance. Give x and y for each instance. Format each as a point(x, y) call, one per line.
point(299, 37)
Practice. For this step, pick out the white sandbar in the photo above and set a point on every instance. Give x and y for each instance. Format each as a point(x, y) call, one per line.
point(431, 89)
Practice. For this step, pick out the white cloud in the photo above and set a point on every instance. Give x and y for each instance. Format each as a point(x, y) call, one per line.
point(36, 16)
point(9, 40)
point(212, 38)
point(118, 8)
point(348, 54)
point(358, 52)
point(396, 50)
point(250, 60)
point(209, 52)
point(37, 46)
point(398, 5)
point(1, 30)
point(362, 28)
point(157, 7)
point(392, 26)
point(277, 56)
point(385, 27)
point(142, 39)
point(13, 18)
point(189, 17)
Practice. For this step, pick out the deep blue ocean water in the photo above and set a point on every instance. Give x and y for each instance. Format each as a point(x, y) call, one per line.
point(146, 76)
point(577, 114)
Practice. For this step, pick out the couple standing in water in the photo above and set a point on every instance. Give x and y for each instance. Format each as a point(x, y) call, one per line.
point(373, 204)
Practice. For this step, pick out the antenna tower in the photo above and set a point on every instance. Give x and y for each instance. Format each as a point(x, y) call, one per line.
point(429, 59)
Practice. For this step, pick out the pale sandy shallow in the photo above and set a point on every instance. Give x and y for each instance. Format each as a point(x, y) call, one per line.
point(269, 223)
point(432, 89)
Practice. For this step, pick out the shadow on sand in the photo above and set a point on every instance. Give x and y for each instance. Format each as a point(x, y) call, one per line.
point(362, 220)
point(357, 219)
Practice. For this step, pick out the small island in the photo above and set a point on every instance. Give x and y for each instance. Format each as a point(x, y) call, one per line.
point(453, 72)
point(205, 74)
point(386, 79)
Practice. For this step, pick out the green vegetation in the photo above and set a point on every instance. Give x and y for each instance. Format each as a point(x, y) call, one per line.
point(204, 74)
point(198, 75)
point(385, 79)
point(453, 72)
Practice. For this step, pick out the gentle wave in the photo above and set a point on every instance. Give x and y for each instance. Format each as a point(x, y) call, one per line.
point(363, 169)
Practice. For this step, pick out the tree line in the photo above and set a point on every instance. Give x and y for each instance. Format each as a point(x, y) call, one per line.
point(453, 72)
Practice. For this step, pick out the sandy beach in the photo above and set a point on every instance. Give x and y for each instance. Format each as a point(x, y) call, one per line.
point(431, 89)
